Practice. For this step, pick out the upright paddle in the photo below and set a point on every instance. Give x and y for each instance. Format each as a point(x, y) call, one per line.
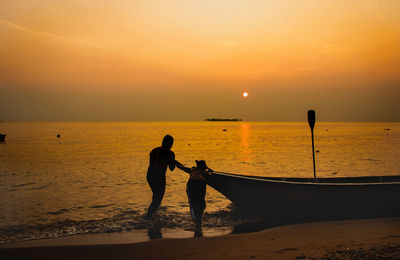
point(311, 122)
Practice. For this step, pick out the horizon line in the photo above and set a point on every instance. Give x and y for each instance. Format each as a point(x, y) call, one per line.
point(270, 121)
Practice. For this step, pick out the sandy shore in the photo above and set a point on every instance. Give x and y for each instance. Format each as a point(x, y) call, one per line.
point(352, 239)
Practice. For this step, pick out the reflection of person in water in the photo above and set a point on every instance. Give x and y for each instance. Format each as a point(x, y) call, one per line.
point(160, 158)
point(154, 229)
point(196, 192)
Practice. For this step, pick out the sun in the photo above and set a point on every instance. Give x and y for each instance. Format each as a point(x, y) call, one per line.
point(245, 94)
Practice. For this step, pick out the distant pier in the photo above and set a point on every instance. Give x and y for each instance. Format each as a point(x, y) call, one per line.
point(222, 119)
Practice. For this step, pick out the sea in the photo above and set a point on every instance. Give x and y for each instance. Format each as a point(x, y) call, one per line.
point(92, 179)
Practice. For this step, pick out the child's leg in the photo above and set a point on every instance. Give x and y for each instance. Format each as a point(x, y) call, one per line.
point(196, 191)
point(198, 211)
point(201, 203)
point(190, 195)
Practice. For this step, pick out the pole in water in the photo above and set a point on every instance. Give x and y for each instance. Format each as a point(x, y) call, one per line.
point(311, 122)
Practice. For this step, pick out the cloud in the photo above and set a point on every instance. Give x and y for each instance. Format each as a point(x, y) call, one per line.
point(329, 48)
point(309, 68)
point(46, 34)
point(231, 44)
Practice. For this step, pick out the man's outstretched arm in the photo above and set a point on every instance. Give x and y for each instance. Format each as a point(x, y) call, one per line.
point(182, 167)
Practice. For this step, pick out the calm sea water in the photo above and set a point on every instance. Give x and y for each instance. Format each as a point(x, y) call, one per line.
point(92, 179)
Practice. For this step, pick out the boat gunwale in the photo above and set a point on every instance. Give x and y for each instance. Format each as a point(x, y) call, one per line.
point(260, 178)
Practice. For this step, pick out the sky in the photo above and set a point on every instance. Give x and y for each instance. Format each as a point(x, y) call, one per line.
point(155, 60)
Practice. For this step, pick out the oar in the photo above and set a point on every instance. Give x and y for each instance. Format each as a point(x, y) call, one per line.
point(311, 122)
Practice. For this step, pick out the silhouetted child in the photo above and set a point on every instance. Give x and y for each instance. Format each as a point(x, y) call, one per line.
point(196, 191)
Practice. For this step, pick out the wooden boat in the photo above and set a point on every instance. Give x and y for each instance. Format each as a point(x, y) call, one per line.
point(372, 196)
point(329, 198)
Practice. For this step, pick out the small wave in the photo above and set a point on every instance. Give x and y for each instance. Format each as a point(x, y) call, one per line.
point(370, 159)
point(100, 206)
point(38, 188)
point(61, 211)
point(21, 185)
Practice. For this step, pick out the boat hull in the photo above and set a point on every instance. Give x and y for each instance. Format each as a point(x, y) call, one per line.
point(329, 198)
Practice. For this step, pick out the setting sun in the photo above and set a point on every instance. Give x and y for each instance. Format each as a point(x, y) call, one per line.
point(245, 94)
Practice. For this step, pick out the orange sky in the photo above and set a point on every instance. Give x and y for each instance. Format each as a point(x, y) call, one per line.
point(188, 60)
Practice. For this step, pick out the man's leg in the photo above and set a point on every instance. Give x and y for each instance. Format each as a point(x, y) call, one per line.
point(158, 189)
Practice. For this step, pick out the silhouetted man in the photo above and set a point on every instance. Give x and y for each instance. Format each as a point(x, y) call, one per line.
point(160, 158)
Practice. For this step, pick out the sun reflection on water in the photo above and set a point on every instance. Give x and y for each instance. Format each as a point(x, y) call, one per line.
point(245, 155)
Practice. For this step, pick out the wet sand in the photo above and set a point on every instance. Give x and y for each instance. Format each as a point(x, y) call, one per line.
point(352, 239)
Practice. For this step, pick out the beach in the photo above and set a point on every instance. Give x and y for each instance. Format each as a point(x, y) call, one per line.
point(347, 239)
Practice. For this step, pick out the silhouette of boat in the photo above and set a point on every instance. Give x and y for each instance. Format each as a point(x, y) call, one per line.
point(2, 138)
point(302, 198)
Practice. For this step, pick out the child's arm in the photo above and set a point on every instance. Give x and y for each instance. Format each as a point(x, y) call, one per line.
point(206, 173)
